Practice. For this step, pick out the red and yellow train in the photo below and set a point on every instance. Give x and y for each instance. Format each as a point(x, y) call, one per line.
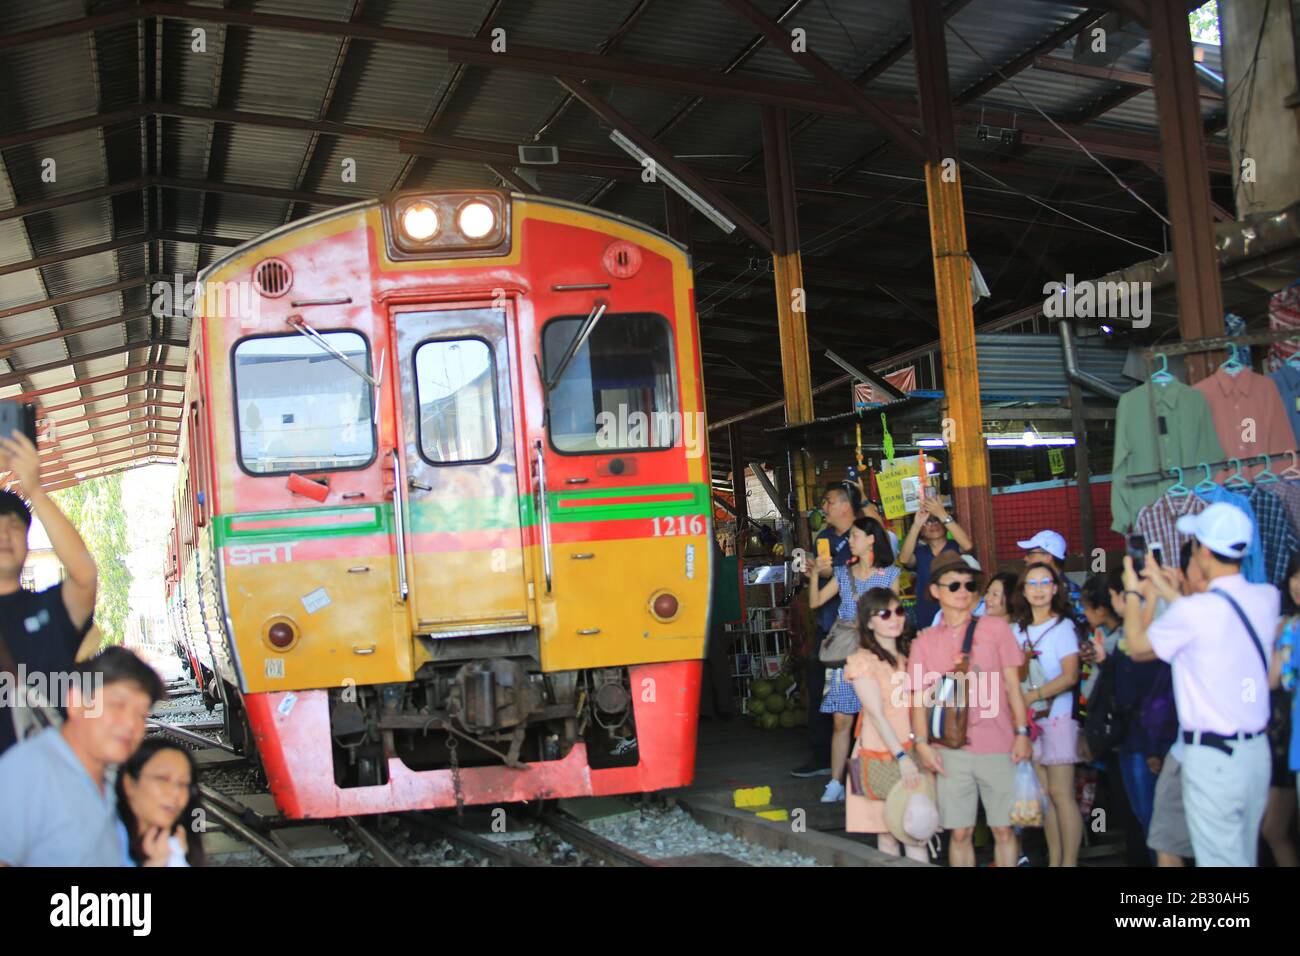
point(443, 522)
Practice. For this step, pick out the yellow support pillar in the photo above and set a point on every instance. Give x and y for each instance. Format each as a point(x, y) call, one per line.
point(963, 425)
point(796, 374)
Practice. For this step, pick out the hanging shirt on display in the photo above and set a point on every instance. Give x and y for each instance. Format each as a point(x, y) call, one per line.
point(1158, 522)
point(1252, 563)
point(1249, 416)
point(1276, 533)
point(1288, 492)
point(1287, 380)
point(1179, 433)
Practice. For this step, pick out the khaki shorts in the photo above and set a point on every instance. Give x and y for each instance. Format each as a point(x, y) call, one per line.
point(1168, 832)
point(969, 779)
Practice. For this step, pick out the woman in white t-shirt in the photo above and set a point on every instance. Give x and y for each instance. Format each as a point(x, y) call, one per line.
point(1045, 630)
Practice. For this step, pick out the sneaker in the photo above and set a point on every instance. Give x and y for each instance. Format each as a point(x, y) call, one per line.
point(810, 769)
point(1023, 861)
point(625, 745)
point(834, 792)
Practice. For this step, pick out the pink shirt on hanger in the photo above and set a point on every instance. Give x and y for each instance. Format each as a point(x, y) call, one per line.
point(1235, 399)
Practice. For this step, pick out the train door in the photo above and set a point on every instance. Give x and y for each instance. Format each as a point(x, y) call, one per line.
point(462, 529)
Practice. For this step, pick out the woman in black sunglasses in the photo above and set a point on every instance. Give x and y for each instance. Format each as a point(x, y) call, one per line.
point(158, 801)
point(871, 565)
point(877, 672)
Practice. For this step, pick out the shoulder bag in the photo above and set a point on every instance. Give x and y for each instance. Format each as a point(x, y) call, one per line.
point(949, 717)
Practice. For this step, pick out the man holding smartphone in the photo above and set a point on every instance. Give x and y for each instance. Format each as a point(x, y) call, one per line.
point(39, 631)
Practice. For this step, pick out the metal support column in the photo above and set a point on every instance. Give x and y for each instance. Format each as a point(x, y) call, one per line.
point(738, 485)
point(952, 272)
point(1087, 520)
point(791, 303)
point(1187, 181)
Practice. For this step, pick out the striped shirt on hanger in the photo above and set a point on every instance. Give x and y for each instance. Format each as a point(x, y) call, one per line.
point(1288, 492)
point(1156, 522)
point(1276, 533)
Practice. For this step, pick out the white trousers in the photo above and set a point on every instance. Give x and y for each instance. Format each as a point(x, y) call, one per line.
point(1225, 797)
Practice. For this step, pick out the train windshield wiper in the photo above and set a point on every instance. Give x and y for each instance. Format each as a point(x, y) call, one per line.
point(299, 325)
point(597, 310)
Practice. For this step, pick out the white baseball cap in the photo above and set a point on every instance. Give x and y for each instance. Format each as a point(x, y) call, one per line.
point(972, 562)
point(1223, 528)
point(1048, 541)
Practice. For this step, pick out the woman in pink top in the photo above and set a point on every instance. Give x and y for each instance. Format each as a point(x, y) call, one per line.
point(878, 673)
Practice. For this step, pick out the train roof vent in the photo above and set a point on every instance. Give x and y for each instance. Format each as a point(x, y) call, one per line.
point(273, 277)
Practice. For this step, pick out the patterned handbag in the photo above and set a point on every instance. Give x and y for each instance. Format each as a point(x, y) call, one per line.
point(873, 773)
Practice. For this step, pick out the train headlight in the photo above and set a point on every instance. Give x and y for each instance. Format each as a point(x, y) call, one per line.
point(664, 606)
point(420, 222)
point(456, 224)
point(476, 219)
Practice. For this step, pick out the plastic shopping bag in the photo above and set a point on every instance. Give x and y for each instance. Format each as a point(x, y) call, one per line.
point(1027, 798)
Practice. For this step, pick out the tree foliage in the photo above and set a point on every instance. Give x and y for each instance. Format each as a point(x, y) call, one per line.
point(95, 508)
point(1205, 22)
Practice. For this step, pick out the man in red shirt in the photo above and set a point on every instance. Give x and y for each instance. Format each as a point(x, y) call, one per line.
point(997, 735)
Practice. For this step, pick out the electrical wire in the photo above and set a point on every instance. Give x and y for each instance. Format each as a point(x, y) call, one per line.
point(1065, 215)
point(1010, 82)
point(1247, 86)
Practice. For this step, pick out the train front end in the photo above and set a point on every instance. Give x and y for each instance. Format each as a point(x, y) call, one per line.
point(461, 543)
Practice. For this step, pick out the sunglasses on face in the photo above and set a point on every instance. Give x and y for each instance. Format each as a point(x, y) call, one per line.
point(889, 612)
point(955, 586)
point(1040, 583)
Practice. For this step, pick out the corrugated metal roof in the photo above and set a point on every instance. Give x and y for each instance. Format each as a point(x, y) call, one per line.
point(872, 221)
point(1031, 366)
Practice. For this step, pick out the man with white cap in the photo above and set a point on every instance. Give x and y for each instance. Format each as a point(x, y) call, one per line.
point(1218, 643)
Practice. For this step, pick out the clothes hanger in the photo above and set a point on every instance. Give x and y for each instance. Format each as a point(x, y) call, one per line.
point(1205, 484)
point(1236, 479)
point(1293, 470)
point(1266, 477)
point(1178, 489)
point(1231, 365)
point(1162, 376)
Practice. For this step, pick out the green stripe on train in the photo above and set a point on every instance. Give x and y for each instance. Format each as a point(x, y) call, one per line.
point(465, 515)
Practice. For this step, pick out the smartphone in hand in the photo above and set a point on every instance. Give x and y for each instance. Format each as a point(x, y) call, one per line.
point(17, 417)
point(1136, 548)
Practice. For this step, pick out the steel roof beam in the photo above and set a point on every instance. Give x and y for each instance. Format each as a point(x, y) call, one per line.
point(71, 482)
point(66, 478)
point(826, 74)
point(8, 348)
point(82, 252)
point(132, 390)
point(152, 418)
point(1144, 81)
point(112, 412)
point(17, 375)
point(96, 456)
point(165, 386)
point(75, 297)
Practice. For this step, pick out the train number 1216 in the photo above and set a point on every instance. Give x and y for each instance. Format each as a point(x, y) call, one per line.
point(684, 524)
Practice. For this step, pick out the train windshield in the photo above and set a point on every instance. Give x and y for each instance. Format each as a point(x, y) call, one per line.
point(457, 394)
point(618, 392)
point(299, 407)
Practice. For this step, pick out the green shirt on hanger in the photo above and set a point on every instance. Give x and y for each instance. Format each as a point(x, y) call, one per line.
point(1179, 433)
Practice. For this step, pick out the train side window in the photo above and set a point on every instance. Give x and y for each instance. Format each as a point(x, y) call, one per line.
point(199, 464)
point(455, 383)
point(619, 392)
point(298, 408)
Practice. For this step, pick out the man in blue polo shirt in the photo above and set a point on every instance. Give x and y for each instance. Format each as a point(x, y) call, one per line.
point(57, 806)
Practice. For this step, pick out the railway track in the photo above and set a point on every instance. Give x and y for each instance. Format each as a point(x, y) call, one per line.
point(256, 830)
